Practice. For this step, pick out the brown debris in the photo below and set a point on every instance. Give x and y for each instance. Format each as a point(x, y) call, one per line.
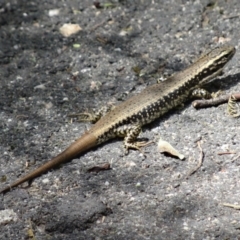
point(97, 169)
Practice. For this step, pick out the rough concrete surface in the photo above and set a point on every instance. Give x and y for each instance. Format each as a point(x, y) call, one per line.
point(45, 76)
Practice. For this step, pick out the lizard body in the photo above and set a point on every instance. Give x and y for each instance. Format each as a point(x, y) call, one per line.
point(127, 119)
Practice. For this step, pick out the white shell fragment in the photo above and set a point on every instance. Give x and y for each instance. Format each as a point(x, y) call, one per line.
point(164, 146)
point(7, 215)
point(68, 29)
point(53, 12)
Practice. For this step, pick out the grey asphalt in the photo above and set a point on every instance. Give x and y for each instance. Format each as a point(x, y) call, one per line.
point(44, 77)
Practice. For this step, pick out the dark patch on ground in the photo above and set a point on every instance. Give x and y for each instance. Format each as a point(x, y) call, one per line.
point(139, 198)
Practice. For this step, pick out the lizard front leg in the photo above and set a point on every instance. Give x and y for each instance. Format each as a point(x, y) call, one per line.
point(203, 93)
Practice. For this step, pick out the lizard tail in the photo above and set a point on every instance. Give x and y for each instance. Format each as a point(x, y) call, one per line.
point(82, 144)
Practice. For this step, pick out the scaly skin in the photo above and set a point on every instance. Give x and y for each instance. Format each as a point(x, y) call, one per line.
point(127, 119)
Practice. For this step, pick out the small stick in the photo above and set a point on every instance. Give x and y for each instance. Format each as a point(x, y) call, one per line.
point(232, 16)
point(235, 158)
point(214, 101)
point(199, 162)
point(235, 206)
point(224, 153)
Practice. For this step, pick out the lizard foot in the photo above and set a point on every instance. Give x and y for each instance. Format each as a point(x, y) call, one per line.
point(136, 146)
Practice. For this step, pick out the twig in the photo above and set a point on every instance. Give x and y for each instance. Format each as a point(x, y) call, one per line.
point(235, 158)
point(235, 206)
point(199, 162)
point(225, 153)
point(233, 16)
point(98, 25)
point(214, 101)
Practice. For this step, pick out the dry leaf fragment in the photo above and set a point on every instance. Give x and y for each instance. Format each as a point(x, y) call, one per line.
point(97, 169)
point(164, 146)
point(68, 29)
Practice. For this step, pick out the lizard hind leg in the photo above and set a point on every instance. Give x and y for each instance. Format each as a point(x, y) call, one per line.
point(93, 116)
point(130, 133)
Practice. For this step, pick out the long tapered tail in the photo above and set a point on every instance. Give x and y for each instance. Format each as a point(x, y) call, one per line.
point(81, 145)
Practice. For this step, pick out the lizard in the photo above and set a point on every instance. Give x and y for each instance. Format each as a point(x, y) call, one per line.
point(127, 119)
